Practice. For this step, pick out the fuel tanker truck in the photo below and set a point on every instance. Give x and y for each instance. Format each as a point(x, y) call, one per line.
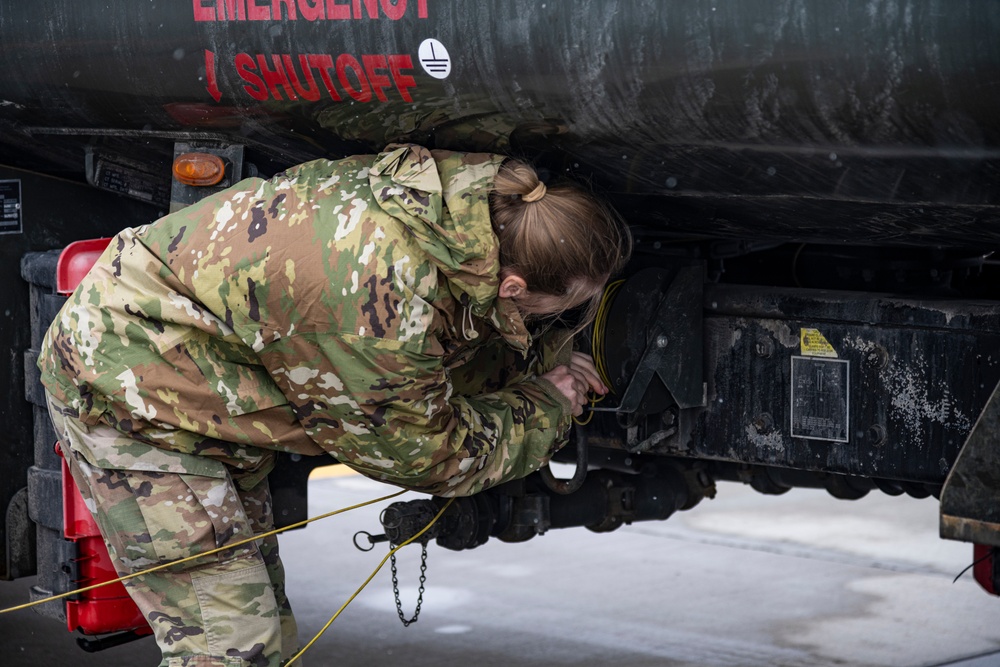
point(813, 187)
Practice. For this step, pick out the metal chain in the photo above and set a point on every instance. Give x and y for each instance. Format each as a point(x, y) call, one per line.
point(420, 592)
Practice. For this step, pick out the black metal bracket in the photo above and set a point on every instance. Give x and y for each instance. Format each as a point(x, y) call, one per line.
point(674, 346)
point(970, 500)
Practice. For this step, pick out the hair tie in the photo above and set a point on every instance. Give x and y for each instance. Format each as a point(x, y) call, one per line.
point(535, 194)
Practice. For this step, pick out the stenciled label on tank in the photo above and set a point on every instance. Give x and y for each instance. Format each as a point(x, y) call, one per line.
point(307, 10)
point(821, 407)
point(315, 77)
point(10, 207)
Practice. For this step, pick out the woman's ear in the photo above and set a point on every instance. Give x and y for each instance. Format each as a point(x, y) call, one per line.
point(512, 286)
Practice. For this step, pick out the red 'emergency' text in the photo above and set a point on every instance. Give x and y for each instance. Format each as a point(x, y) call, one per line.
point(314, 76)
point(307, 10)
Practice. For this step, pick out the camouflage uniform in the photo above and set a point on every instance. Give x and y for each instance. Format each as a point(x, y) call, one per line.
point(344, 307)
point(224, 610)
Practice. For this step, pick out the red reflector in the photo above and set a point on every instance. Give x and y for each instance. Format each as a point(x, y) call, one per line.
point(75, 261)
point(987, 567)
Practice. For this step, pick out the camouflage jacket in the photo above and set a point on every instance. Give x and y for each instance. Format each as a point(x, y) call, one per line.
point(345, 307)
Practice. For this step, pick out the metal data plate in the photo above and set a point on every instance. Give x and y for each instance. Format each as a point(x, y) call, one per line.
point(10, 207)
point(821, 408)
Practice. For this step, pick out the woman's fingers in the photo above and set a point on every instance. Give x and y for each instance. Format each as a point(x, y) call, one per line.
point(571, 384)
point(585, 365)
point(581, 382)
point(576, 380)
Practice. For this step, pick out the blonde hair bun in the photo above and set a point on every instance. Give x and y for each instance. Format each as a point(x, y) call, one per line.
point(535, 194)
point(560, 239)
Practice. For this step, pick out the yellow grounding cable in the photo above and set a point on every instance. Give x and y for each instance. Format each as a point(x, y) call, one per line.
point(254, 539)
point(597, 343)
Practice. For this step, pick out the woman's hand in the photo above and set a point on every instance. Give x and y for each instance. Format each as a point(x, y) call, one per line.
point(575, 380)
point(584, 364)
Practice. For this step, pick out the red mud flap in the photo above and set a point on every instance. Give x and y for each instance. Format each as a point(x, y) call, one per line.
point(102, 610)
point(987, 567)
point(109, 608)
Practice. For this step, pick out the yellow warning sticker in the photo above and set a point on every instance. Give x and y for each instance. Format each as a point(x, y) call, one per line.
point(813, 344)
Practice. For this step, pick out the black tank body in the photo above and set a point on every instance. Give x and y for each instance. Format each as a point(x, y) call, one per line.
point(849, 121)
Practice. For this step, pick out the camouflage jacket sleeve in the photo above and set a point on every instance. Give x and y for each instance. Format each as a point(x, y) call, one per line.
point(391, 412)
point(495, 366)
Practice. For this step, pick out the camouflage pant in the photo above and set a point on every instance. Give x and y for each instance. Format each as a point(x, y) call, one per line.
point(225, 610)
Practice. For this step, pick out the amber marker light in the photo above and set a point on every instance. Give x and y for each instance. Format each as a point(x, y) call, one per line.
point(201, 169)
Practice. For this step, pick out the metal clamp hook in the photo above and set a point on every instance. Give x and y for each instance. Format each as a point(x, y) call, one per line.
point(372, 540)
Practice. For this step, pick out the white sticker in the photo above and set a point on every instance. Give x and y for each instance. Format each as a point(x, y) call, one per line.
point(434, 58)
point(821, 399)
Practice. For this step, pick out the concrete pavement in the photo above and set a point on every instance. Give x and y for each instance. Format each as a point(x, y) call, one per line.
point(742, 580)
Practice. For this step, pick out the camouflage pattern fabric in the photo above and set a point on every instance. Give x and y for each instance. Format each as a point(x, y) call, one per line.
point(327, 310)
point(224, 610)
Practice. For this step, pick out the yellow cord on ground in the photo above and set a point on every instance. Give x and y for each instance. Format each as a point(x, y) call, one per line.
point(207, 553)
point(366, 582)
point(253, 539)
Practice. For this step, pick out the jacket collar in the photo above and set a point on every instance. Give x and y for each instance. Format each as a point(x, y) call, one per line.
point(443, 199)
